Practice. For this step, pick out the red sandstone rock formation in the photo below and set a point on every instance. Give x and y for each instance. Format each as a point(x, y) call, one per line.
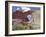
point(20, 15)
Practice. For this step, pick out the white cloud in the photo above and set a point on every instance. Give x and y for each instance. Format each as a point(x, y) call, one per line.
point(25, 8)
point(18, 9)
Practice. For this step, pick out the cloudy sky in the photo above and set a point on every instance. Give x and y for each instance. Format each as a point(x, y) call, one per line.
point(14, 8)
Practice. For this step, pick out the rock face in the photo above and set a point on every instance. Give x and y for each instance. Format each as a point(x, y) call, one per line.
point(20, 15)
point(36, 23)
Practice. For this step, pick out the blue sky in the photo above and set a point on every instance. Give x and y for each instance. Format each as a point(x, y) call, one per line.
point(14, 8)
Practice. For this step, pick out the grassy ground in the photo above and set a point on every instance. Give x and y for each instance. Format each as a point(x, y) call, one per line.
point(20, 26)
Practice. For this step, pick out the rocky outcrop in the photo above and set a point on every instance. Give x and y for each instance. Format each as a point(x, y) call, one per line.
point(20, 15)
